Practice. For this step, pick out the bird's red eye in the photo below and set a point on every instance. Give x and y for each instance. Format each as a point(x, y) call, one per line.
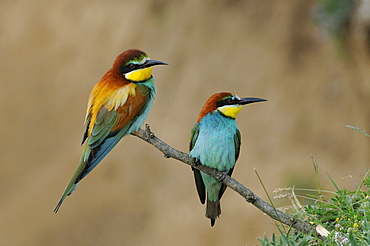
point(132, 66)
point(229, 100)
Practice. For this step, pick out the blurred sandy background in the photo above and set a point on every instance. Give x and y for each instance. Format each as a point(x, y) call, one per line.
point(53, 52)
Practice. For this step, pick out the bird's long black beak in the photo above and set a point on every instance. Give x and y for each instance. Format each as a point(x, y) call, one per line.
point(150, 63)
point(247, 100)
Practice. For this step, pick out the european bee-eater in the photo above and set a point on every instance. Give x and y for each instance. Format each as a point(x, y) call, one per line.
point(118, 105)
point(215, 142)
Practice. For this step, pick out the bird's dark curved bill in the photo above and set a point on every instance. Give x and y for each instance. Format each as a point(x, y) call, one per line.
point(150, 63)
point(248, 100)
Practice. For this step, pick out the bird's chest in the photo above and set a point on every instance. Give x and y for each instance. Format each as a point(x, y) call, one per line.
point(215, 146)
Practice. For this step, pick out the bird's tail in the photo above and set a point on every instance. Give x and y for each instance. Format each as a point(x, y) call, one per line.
point(67, 191)
point(60, 202)
point(213, 210)
point(73, 182)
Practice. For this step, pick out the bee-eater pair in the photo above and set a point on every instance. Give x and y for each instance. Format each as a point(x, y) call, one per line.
point(215, 142)
point(119, 104)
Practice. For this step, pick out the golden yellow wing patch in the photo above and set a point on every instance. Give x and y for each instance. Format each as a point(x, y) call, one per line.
point(108, 98)
point(119, 97)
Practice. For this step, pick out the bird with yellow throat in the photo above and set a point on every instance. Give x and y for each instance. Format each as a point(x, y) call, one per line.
point(215, 142)
point(118, 105)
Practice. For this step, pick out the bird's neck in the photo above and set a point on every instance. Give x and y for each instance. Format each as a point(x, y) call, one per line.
point(217, 119)
point(149, 84)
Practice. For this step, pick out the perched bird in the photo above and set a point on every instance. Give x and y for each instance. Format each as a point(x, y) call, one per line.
point(215, 142)
point(118, 105)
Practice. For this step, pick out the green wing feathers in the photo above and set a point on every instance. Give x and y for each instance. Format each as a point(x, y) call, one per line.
point(193, 136)
point(201, 189)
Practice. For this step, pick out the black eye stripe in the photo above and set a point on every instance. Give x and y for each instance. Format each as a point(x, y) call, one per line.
point(227, 101)
point(129, 67)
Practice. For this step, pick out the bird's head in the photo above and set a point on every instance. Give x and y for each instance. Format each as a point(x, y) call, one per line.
point(135, 65)
point(228, 104)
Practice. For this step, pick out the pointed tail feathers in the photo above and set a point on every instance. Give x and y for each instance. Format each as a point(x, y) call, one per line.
point(72, 184)
point(60, 203)
point(213, 210)
point(67, 191)
point(90, 158)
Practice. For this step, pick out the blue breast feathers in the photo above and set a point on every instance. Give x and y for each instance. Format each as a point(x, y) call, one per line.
point(215, 146)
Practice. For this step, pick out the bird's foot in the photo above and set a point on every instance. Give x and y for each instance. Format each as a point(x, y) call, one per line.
point(196, 162)
point(148, 134)
point(145, 134)
point(223, 176)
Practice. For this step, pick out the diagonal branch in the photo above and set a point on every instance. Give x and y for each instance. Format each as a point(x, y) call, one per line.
point(248, 195)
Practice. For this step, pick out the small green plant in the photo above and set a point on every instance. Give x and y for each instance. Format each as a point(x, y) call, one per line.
point(342, 215)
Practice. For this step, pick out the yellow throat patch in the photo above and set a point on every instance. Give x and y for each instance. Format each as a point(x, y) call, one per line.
point(230, 110)
point(139, 75)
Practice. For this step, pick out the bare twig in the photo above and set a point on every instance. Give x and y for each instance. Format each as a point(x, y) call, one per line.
point(248, 195)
